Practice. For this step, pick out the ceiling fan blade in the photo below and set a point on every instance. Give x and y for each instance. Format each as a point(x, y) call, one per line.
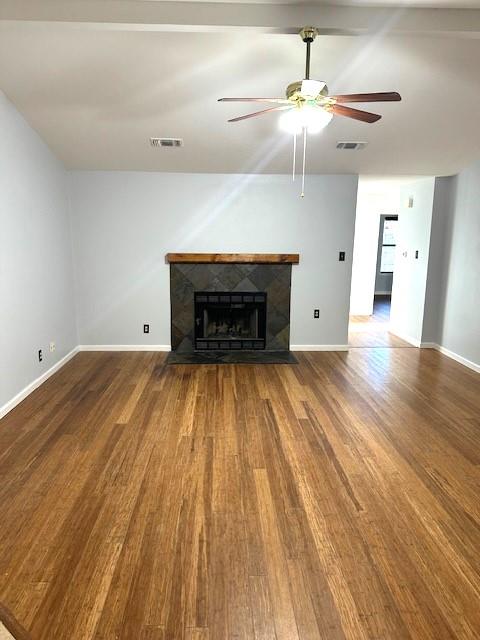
point(386, 96)
point(356, 114)
point(275, 100)
point(259, 113)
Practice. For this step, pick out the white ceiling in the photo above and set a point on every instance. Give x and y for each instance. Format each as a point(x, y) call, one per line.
point(443, 4)
point(97, 95)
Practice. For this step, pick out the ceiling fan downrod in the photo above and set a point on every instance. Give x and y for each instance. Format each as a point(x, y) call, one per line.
point(308, 35)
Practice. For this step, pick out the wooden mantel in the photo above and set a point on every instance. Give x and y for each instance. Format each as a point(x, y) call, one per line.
point(228, 258)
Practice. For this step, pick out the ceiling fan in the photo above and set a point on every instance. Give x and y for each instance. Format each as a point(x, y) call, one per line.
point(307, 106)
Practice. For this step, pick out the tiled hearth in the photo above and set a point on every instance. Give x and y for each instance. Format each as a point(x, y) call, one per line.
point(272, 279)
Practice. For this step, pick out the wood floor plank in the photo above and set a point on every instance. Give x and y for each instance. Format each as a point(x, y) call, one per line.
point(336, 499)
point(277, 570)
point(263, 620)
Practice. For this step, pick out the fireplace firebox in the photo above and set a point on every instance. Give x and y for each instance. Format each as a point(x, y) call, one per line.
point(230, 321)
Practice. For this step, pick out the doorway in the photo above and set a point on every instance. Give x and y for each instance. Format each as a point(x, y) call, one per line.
point(374, 330)
point(373, 270)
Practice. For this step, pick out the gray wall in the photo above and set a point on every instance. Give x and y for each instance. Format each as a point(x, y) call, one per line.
point(36, 285)
point(125, 223)
point(455, 291)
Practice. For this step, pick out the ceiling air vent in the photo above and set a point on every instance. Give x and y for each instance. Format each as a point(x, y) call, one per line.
point(351, 146)
point(166, 142)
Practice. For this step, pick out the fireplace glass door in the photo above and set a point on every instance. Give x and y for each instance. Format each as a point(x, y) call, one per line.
point(225, 320)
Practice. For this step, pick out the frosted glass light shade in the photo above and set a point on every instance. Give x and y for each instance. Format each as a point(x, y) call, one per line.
point(290, 121)
point(311, 118)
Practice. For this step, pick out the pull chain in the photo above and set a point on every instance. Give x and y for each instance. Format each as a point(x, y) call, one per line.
point(302, 195)
point(294, 155)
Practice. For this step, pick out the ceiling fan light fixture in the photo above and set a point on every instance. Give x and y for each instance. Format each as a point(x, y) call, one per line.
point(309, 117)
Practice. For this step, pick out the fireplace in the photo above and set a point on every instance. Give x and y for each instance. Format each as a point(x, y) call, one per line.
point(230, 307)
point(230, 320)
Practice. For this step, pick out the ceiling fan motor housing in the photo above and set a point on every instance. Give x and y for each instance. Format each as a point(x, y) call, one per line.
point(294, 90)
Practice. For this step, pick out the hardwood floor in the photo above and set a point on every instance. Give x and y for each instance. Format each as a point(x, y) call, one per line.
point(374, 330)
point(334, 499)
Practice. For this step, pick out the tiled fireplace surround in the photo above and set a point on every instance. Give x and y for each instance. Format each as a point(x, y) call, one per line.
point(269, 273)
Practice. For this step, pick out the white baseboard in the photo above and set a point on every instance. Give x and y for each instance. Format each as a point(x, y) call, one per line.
point(124, 347)
point(361, 312)
point(11, 404)
point(433, 345)
point(8, 406)
point(319, 347)
point(403, 336)
point(454, 356)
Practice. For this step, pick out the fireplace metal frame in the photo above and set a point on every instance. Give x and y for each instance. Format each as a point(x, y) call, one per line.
point(252, 299)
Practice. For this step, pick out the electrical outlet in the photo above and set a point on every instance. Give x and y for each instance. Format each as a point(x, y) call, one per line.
point(316, 313)
point(341, 256)
point(52, 347)
point(40, 355)
point(146, 328)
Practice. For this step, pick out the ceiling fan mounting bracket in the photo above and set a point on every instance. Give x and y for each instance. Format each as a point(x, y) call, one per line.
point(308, 34)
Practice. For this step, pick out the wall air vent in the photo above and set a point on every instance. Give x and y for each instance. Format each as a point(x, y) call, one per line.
point(351, 146)
point(166, 142)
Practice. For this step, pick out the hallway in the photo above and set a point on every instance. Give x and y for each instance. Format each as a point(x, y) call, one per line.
point(373, 331)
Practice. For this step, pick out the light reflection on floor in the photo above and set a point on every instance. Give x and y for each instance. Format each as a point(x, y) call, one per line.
point(373, 331)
